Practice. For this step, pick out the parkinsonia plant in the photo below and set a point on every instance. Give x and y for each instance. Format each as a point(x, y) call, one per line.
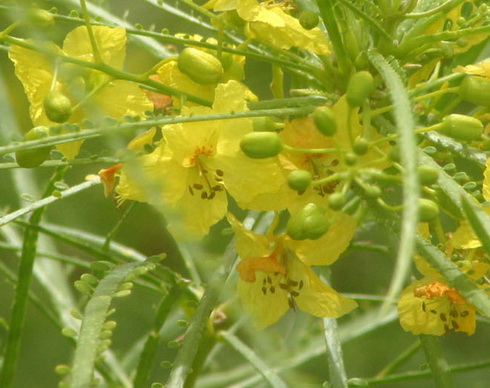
point(277, 181)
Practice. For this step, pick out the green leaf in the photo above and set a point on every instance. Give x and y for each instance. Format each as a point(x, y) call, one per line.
point(479, 221)
point(408, 154)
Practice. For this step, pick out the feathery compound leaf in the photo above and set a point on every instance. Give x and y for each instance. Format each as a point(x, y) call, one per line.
point(411, 191)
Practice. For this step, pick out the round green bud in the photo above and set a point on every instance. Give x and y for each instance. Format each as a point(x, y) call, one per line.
point(428, 175)
point(34, 157)
point(428, 210)
point(200, 66)
point(308, 19)
point(371, 191)
point(260, 145)
point(360, 87)
point(351, 158)
point(360, 146)
point(57, 107)
point(39, 18)
point(299, 180)
point(309, 223)
point(336, 201)
point(475, 89)
point(264, 124)
point(325, 120)
point(461, 127)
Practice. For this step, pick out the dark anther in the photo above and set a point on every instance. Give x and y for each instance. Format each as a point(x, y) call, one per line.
point(264, 290)
point(219, 172)
point(204, 195)
point(433, 311)
point(455, 324)
point(294, 294)
point(269, 280)
point(443, 317)
point(191, 191)
point(453, 313)
point(423, 307)
point(272, 289)
point(283, 286)
point(218, 188)
point(301, 284)
point(197, 186)
point(293, 283)
point(465, 313)
point(212, 195)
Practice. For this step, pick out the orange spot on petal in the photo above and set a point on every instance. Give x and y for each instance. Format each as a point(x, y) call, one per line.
point(269, 264)
point(107, 176)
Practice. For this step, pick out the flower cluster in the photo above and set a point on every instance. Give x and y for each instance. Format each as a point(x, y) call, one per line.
point(326, 159)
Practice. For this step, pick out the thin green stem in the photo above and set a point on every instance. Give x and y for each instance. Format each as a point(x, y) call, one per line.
point(400, 360)
point(185, 357)
point(48, 200)
point(90, 31)
point(437, 362)
point(267, 373)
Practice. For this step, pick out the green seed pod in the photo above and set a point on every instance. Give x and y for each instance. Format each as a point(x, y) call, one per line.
point(260, 145)
point(475, 89)
point(34, 157)
point(371, 191)
point(360, 146)
point(337, 201)
point(428, 175)
point(57, 107)
point(308, 19)
point(299, 180)
point(428, 210)
point(360, 87)
point(309, 223)
point(461, 127)
point(201, 67)
point(325, 120)
point(264, 124)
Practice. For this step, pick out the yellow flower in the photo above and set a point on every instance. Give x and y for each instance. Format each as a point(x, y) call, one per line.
point(97, 94)
point(170, 75)
point(268, 23)
point(274, 279)
point(430, 306)
point(197, 163)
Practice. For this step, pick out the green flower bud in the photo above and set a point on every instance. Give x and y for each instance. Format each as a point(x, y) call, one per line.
point(461, 127)
point(299, 180)
point(39, 18)
point(428, 175)
point(308, 19)
point(360, 146)
point(428, 210)
point(201, 67)
point(337, 201)
point(475, 89)
point(34, 157)
point(325, 120)
point(351, 158)
point(371, 191)
point(360, 87)
point(57, 107)
point(309, 223)
point(260, 145)
point(264, 124)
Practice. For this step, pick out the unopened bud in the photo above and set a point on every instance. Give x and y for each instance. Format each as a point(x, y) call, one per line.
point(324, 120)
point(309, 223)
point(39, 18)
point(299, 180)
point(264, 124)
point(475, 89)
point(360, 87)
point(428, 210)
point(201, 67)
point(57, 107)
point(260, 145)
point(336, 201)
point(428, 175)
point(461, 127)
point(34, 157)
point(308, 19)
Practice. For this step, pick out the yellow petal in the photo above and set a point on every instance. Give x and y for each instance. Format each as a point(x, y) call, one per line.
point(111, 43)
point(327, 249)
